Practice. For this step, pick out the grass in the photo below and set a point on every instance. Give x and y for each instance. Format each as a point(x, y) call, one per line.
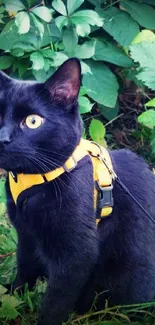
point(23, 310)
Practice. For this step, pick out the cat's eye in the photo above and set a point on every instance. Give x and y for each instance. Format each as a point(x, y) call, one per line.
point(33, 121)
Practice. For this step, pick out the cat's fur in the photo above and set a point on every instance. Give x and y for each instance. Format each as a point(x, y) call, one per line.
point(57, 233)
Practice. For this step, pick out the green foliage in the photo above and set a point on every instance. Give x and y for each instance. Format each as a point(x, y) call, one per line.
point(37, 37)
point(114, 41)
point(97, 131)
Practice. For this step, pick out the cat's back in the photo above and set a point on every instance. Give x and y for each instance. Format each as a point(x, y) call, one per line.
point(136, 175)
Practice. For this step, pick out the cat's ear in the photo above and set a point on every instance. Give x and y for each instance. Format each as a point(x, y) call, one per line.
point(64, 85)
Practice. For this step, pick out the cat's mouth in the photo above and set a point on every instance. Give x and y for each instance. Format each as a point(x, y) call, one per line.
point(11, 164)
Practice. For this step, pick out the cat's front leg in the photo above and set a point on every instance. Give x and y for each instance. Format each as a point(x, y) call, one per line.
point(67, 278)
point(29, 267)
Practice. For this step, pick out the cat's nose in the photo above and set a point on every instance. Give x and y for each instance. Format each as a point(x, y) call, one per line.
point(5, 141)
point(5, 138)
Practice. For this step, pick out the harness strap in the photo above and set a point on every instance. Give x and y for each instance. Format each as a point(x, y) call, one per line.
point(103, 200)
point(103, 179)
point(25, 181)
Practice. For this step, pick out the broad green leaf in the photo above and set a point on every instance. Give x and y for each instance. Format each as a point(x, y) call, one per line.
point(151, 103)
point(17, 52)
point(22, 21)
point(13, 301)
point(83, 91)
point(152, 142)
point(72, 5)
point(47, 53)
point(8, 309)
point(26, 47)
point(147, 118)
point(97, 130)
point(86, 17)
point(37, 60)
point(144, 53)
point(83, 29)
point(106, 51)
point(5, 62)
point(97, 2)
point(43, 13)
point(3, 290)
point(70, 40)
point(61, 22)
point(109, 112)
point(8, 36)
point(86, 50)
point(102, 84)
point(14, 5)
point(38, 24)
point(85, 68)
point(8, 312)
point(41, 75)
point(119, 24)
point(144, 36)
point(140, 12)
point(149, 2)
point(59, 6)
point(58, 59)
point(85, 105)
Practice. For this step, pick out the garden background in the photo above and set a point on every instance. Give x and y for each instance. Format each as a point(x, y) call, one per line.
point(115, 42)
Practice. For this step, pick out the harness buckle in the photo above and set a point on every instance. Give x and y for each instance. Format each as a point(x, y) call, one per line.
point(14, 176)
point(105, 198)
point(68, 170)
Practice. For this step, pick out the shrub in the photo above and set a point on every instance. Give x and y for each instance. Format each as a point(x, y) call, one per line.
point(112, 38)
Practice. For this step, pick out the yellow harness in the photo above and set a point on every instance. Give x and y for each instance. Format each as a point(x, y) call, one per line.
point(103, 176)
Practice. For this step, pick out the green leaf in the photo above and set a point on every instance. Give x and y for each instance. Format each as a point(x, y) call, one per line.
point(101, 85)
point(41, 75)
point(83, 29)
point(47, 53)
point(151, 103)
point(83, 91)
point(109, 112)
point(22, 21)
point(17, 52)
point(13, 301)
point(8, 312)
point(144, 36)
point(58, 59)
point(86, 50)
point(106, 51)
point(86, 17)
point(3, 290)
point(8, 309)
point(72, 5)
point(14, 5)
point(85, 68)
point(61, 22)
point(5, 62)
point(152, 142)
point(141, 12)
point(70, 40)
point(85, 105)
point(43, 13)
point(144, 53)
point(119, 24)
point(97, 2)
point(97, 130)
point(147, 118)
point(37, 60)
point(59, 6)
point(38, 24)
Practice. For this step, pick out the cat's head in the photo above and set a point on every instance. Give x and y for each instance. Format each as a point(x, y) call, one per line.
point(39, 122)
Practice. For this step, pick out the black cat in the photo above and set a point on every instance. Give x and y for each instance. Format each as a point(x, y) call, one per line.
point(57, 234)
